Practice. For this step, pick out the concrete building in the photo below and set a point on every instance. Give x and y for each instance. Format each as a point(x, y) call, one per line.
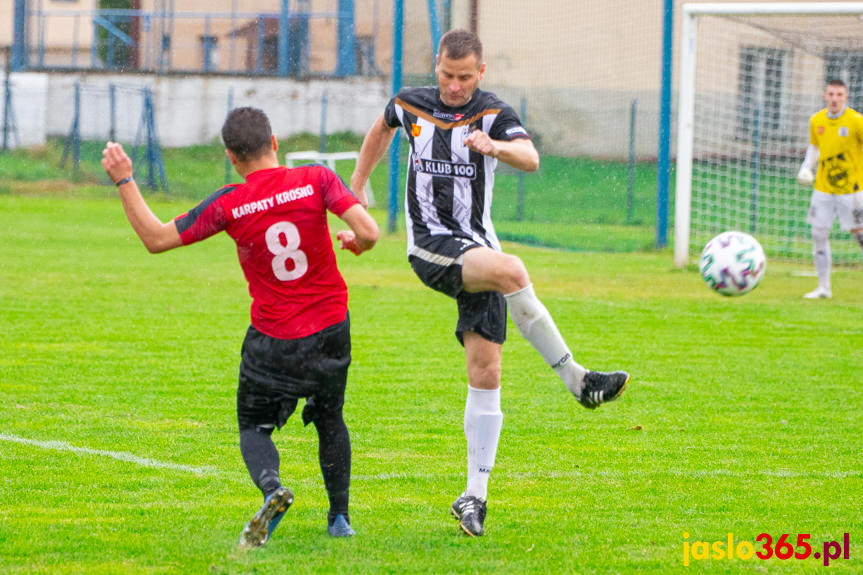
point(586, 75)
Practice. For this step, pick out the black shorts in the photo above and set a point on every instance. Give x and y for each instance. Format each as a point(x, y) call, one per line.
point(438, 264)
point(275, 373)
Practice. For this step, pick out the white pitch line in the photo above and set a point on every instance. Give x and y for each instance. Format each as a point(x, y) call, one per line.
point(623, 474)
point(207, 470)
point(118, 455)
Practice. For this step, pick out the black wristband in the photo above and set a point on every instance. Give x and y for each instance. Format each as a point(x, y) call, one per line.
point(125, 180)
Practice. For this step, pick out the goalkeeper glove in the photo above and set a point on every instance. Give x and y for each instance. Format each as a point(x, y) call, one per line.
point(805, 176)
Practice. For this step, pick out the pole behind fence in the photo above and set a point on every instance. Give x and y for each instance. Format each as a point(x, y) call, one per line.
point(398, 38)
point(520, 201)
point(663, 162)
point(73, 140)
point(157, 146)
point(7, 98)
point(322, 137)
point(756, 168)
point(630, 184)
point(227, 160)
point(112, 99)
point(151, 152)
point(284, 24)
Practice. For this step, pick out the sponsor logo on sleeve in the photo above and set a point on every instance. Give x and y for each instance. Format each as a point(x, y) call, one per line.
point(447, 116)
point(516, 130)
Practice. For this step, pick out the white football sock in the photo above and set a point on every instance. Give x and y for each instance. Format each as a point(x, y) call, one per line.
point(821, 255)
point(536, 326)
point(482, 423)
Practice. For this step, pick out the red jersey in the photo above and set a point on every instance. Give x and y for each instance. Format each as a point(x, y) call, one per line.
point(278, 220)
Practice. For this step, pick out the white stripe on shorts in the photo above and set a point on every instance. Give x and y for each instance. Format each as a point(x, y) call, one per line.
point(438, 259)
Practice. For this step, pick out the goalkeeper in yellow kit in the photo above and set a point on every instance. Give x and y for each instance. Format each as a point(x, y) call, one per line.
point(836, 148)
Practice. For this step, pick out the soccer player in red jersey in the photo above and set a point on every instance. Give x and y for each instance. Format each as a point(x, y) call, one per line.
point(298, 344)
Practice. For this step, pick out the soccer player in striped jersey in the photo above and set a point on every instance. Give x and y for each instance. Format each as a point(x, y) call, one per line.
point(299, 341)
point(457, 135)
point(836, 148)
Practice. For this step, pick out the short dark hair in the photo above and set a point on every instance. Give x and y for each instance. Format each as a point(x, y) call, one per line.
point(458, 44)
point(247, 133)
point(838, 83)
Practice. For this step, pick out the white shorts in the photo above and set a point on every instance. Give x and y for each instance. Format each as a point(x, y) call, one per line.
point(825, 208)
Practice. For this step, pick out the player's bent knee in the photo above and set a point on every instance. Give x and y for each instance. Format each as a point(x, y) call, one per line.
point(519, 273)
point(514, 275)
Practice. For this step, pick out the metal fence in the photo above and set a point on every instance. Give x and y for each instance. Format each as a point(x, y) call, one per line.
point(276, 42)
point(584, 77)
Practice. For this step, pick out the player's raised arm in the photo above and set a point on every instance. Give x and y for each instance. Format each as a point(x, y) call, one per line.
point(374, 147)
point(363, 233)
point(520, 154)
point(157, 236)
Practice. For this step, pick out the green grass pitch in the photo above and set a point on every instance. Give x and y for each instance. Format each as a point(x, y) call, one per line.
point(743, 415)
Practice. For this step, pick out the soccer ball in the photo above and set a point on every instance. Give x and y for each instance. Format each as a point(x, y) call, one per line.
point(732, 263)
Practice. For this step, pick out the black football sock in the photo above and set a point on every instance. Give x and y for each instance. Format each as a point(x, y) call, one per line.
point(334, 453)
point(261, 457)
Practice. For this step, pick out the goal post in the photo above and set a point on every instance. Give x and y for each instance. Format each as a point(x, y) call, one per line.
point(750, 77)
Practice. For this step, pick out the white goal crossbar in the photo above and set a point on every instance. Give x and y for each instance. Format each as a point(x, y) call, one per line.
point(686, 94)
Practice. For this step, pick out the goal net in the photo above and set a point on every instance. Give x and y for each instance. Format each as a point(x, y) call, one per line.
point(751, 75)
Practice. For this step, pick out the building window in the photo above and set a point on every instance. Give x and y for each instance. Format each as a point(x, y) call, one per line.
point(761, 93)
point(210, 52)
point(270, 54)
point(364, 47)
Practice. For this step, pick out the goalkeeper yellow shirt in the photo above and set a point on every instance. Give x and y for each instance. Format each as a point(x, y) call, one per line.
point(840, 146)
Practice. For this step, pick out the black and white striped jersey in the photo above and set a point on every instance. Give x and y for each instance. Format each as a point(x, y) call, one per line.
point(449, 187)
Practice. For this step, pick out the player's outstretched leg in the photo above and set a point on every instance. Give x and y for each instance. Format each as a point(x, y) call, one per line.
point(260, 527)
point(600, 387)
point(590, 388)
